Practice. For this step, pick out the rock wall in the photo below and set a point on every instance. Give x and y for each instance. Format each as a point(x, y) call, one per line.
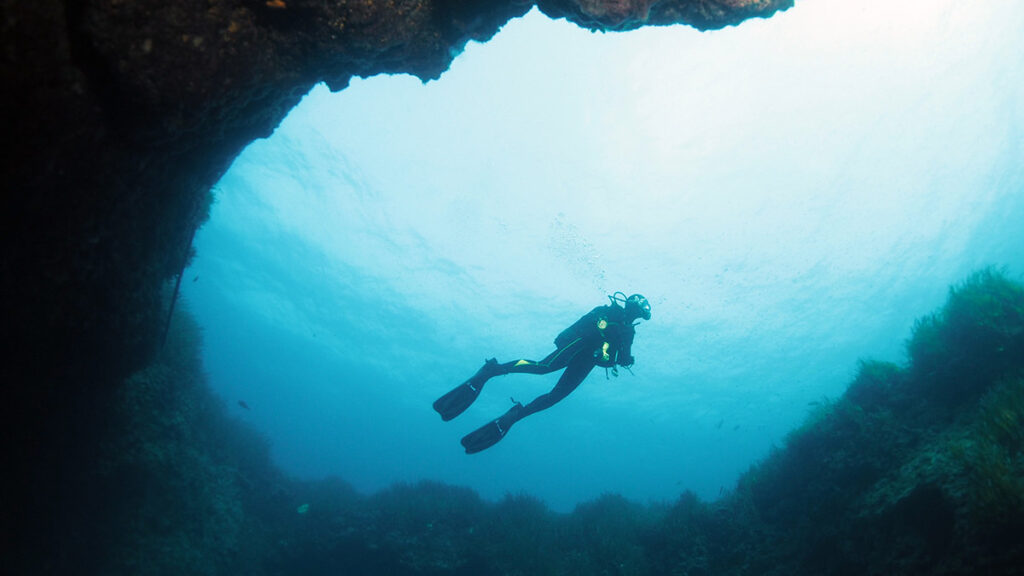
point(119, 116)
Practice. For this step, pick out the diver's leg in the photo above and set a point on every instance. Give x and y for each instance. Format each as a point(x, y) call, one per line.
point(557, 360)
point(569, 381)
point(491, 433)
point(462, 396)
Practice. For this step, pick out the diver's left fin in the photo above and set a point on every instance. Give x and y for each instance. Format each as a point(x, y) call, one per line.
point(457, 400)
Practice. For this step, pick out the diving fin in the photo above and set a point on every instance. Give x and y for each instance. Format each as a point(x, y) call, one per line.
point(455, 402)
point(462, 396)
point(491, 433)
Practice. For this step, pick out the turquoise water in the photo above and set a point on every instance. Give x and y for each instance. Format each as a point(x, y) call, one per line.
point(790, 194)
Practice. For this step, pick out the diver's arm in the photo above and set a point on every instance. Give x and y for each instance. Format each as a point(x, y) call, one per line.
point(625, 357)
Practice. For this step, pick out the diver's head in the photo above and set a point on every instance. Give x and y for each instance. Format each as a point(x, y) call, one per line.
point(638, 307)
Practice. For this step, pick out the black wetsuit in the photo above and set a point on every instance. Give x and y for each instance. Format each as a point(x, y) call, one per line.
point(603, 337)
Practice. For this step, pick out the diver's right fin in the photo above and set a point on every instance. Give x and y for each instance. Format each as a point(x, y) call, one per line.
point(462, 396)
point(491, 433)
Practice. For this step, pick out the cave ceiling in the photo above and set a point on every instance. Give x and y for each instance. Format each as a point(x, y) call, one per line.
point(122, 114)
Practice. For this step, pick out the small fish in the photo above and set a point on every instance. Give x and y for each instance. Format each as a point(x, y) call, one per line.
point(302, 509)
point(243, 404)
point(196, 278)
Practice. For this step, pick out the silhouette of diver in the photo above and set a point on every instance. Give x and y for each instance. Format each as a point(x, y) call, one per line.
point(603, 337)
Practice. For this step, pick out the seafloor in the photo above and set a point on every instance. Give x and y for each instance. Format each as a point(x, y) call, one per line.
point(916, 469)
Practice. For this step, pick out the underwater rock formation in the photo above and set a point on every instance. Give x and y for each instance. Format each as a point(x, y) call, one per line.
point(916, 469)
point(631, 14)
point(119, 116)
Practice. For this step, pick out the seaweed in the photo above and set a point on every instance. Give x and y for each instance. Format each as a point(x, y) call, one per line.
point(956, 353)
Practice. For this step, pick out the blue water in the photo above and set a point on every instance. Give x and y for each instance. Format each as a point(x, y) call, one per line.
point(790, 194)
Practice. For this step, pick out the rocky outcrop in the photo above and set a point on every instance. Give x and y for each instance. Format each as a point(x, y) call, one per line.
point(915, 469)
point(119, 116)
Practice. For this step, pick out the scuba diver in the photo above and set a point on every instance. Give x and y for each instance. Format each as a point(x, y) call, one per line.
point(603, 337)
